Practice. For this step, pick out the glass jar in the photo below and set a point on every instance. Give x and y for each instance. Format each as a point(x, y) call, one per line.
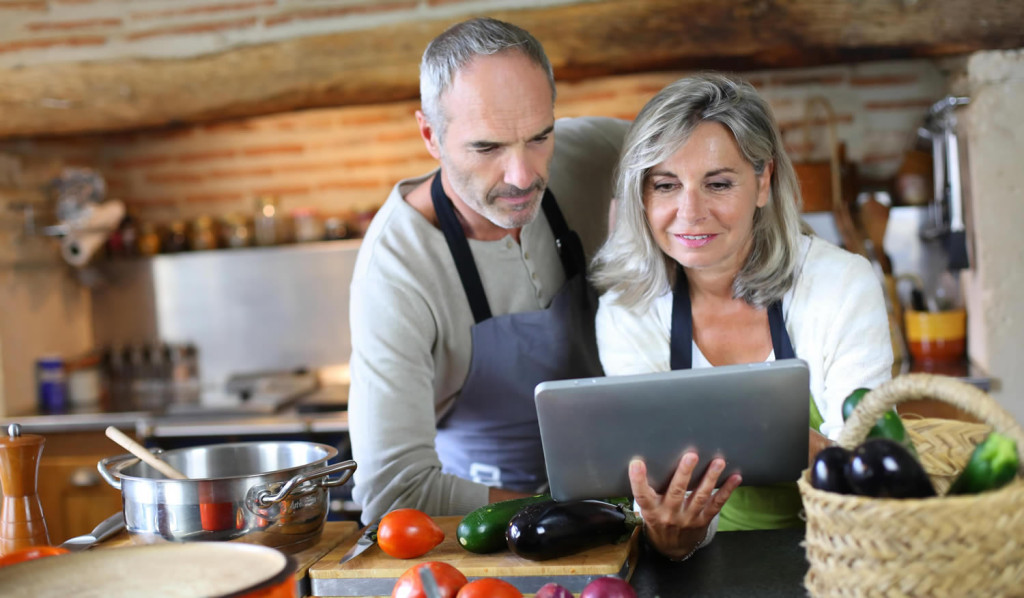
point(236, 232)
point(204, 236)
point(308, 226)
point(177, 237)
point(265, 221)
point(149, 239)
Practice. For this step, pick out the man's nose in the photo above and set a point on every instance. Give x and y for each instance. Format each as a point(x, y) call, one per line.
point(519, 170)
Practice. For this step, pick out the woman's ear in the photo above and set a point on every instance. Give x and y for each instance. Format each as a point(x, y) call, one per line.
point(764, 184)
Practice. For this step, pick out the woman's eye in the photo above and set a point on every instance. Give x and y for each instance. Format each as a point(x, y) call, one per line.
point(664, 187)
point(720, 186)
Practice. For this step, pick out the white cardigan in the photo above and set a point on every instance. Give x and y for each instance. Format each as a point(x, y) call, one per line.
point(835, 315)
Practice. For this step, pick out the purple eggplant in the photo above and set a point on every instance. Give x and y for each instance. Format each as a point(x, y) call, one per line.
point(883, 468)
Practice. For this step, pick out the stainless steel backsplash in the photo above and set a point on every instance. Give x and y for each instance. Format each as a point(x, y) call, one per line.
point(246, 310)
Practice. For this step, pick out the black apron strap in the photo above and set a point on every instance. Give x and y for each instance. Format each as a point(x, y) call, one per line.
point(681, 346)
point(570, 248)
point(459, 247)
point(681, 353)
point(780, 338)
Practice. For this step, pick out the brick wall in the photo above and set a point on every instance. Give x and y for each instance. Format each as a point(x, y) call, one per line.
point(346, 159)
point(41, 31)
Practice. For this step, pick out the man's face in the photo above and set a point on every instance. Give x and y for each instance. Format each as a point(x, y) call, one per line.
point(498, 140)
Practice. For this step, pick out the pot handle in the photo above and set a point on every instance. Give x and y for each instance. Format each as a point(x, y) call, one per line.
point(104, 466)
point(264, 497)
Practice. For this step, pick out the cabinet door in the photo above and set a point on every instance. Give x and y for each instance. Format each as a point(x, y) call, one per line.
point(74, 496)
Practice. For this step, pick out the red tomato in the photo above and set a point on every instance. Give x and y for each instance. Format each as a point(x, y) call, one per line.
point(32, 552)
point(489, 587)
point(448, 578)
point(408, 533)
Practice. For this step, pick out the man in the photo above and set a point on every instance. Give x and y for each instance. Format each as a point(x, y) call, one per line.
point(469, 288)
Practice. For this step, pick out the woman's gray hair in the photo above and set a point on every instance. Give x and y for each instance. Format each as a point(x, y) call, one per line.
point(458, 46)
point(630, 263)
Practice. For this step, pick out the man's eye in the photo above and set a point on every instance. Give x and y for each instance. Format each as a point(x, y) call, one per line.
point(541, 139)
point(486, 149)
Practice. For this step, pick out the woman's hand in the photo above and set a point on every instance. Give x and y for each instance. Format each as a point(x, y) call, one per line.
point(676, 523)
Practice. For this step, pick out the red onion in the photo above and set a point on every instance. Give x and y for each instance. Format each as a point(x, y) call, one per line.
point(553, 590)
point(608, 587)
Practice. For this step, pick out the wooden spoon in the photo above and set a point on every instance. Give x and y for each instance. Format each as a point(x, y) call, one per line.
point(143, 454)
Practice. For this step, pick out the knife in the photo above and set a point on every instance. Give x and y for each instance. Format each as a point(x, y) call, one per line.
point(429, 583)
point(367, 539)
point(110, 526)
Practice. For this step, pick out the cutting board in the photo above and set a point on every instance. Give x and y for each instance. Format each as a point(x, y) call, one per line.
point(374, 573)
point(334, 533)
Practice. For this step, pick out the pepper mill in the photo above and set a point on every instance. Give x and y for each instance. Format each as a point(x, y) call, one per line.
point(21, 518)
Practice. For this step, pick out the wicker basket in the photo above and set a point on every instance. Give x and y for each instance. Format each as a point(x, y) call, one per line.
point(970, 545)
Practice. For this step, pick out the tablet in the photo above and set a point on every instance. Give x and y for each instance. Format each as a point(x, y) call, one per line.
point(753, 415)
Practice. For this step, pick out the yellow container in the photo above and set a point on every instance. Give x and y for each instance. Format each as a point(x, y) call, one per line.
point(936, 336)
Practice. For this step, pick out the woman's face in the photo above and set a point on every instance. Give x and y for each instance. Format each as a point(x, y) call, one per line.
point(700, 202)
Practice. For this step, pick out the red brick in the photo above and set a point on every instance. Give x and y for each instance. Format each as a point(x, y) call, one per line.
point(350, 184)
point(37, 44)
point(898, 104)
point(230, 126)
point(155, 202)
point(817, 121)
point(369, 118)
point(139, 162)
point(230, 173)
point(340, 11)
point(267, 150)
point(196, 10)
point(194, 28)
point(70, 25)
point(214, 197)
point(281, 190)
point(404, 135)
point(207, 155)
point(590, 96)
point(306, 167)
point(175, 177)
point(28, 5)
point(882, 80)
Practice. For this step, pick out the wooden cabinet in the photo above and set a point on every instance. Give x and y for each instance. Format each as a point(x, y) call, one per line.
point(73, 495)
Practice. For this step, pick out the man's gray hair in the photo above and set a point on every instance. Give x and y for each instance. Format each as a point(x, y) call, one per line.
point(458, 46)
point(630, 263)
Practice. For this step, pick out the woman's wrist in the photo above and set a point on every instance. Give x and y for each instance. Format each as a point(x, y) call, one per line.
point(679, 556)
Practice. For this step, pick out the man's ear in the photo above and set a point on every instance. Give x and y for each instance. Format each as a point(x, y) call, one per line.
point(429, 135)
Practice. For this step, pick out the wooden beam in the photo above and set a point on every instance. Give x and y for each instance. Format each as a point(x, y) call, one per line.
point(583, 40)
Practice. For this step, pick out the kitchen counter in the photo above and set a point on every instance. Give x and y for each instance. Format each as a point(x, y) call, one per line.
point(767, 564)
point(149, 424)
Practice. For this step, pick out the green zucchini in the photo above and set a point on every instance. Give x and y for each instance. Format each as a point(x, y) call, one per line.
point(888, 426)
point(483, 530)
point(992, 465)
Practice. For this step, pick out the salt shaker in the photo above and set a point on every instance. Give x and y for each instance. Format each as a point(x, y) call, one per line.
point(21, 518)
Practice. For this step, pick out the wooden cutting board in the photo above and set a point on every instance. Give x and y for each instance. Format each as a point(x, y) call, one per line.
point(374, 573)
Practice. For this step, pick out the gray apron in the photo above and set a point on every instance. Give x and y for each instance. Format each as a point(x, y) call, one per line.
point(491, 434)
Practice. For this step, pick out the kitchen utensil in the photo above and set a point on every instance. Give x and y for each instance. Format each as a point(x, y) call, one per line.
point(936, 335)
point(21, 515)
point(185, 570)
point(874, 216)
point(429, 583)
point(107, 528)
point(143, 453)
point(270, 493)
point(374, 573)
point(366, 540)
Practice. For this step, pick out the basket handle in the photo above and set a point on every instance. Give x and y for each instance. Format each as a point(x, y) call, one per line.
point(929, 386)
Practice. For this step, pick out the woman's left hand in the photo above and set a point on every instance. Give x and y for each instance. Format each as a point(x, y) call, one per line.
point(677, 522)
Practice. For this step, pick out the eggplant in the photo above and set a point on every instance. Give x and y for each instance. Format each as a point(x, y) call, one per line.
point(884, 468)
point(828, 472)
point(548, 530)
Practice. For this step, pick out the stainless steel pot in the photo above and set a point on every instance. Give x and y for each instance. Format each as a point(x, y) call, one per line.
point(269, 493)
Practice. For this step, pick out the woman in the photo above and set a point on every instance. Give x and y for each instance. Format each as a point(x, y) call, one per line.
point(709, 264)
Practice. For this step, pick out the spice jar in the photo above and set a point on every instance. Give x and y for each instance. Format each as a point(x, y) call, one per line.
point(149, 239)
point(265, 221)
point(177, 239)
point(236, 232)
point(203, 234)
point(308, 226)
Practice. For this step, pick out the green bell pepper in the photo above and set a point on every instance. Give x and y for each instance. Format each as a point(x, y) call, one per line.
point(992, 465)
point(888, 426)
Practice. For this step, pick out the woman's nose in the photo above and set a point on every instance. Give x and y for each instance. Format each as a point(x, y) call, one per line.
point(691, 206)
